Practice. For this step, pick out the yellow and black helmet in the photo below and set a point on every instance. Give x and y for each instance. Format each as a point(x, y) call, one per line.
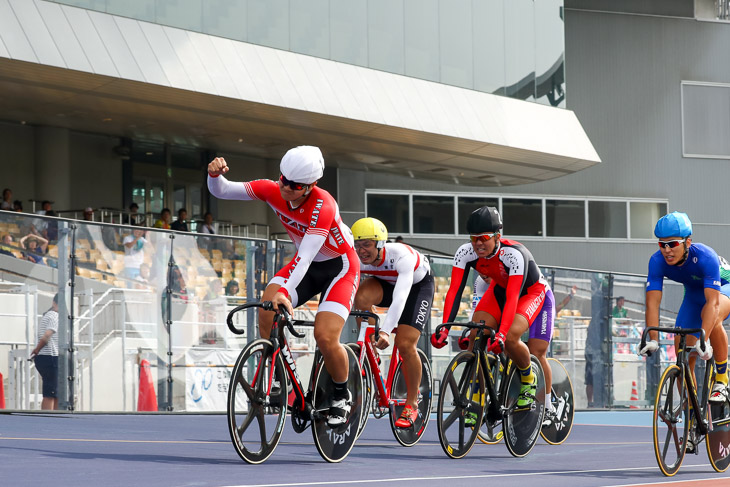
point(370, 229)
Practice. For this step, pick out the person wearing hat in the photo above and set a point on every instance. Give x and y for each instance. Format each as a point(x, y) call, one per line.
point(325, 262)
point(88, 214)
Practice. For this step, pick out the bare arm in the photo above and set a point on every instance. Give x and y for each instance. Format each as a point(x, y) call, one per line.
point(42, 342)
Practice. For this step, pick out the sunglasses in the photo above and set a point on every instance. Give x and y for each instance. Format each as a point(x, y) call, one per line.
point(482, 237)
point(292, 184)
point(670, 244)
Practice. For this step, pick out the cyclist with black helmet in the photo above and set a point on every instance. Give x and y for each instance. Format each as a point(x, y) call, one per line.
point(401, 280)
point(706, 303)
point(517, 295)
point(325, 262)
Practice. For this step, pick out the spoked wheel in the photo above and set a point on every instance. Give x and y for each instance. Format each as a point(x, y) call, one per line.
point(367, 387)
point(561, 413)
point(254, 423)
point(460, 405)
point(718, 436)
point(410, 436)
point(334, 444)
point(490, 432)
point(671, 421)
point(522, 424)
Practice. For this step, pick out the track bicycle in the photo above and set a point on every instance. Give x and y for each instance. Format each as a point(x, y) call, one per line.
point(468, 398)
point(682, 419)
point(258, 396)
point(382, 397)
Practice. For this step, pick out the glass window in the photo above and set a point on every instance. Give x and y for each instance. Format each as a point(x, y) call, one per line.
point(607, 219)
point(225, 18)
point(268, 23)
point(385, 35)
point(391, 209)
point(549, 51)
point(134, 9)
point(643, 218)
point(185, 14)
point(488, 28)
point(522, 216)
point(138, 196)
point(196, 202)
point(349, 32)
point(157, 198)
point(520, 49)
point(421, 46)
point(310, 33)
point(457, 59)
point(433, 214)
point(178, 197)
point(467, 205)
point(565, 218)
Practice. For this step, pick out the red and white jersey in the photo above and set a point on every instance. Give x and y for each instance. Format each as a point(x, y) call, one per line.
point(315, 226)
point(403, 267)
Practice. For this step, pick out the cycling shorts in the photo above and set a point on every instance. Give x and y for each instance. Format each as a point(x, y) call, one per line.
point(418, 304)
point(336, 280)
point(529, 304)
point(542, 326)
point(690, 312)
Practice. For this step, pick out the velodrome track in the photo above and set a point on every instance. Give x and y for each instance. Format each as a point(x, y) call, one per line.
point(604, 449)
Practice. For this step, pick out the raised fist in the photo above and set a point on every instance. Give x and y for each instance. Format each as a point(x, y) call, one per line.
point(217, 167)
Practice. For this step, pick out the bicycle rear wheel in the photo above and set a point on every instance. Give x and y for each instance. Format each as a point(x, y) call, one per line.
point(254, 424)
point(368, 385)
point(490, 432)
point(334, 444)
point(521, 426)
point(461, 399)
point(399, 393)
point(671, 421)
point(562, 398)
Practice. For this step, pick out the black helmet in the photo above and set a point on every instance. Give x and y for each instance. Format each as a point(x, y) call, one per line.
point(484, 220)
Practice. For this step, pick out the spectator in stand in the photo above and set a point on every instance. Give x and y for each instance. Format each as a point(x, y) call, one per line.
point(232, 288)
point(619, 311)
point(143, 279)
point(7, 203)
point(133, 218)
point(18, 206)
point(45, 355)
point(164, 220)
point(181, 224)
point(134, 253)
point(562, 304)
point(399, 239)
point(35, 248)
point(207, 226)
point(89, 214)
point(8, 245)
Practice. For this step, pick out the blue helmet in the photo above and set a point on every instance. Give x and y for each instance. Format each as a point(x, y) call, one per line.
point(675, 224)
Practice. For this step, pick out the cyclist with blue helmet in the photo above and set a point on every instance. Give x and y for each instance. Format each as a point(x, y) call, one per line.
point(706, 303)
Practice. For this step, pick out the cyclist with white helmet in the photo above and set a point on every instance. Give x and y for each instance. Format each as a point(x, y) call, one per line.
point(706, 303)
point(401, 280)
point(325, 262)
point(517, 296)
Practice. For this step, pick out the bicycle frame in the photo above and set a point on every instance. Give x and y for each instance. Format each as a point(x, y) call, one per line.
point(368, 352)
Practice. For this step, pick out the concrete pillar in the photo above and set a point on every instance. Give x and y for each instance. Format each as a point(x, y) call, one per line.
point(53, 167)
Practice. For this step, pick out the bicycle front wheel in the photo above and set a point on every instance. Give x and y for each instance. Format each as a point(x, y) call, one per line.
point(490, 432)
point(718, 436)
point(399, 393)
point(561, 413)
point(368, 386)
point(460, 405)
point(255, 423)
point(671, 421)
point(521, 425)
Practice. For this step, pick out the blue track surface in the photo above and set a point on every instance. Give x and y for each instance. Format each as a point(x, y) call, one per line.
point(604, 449)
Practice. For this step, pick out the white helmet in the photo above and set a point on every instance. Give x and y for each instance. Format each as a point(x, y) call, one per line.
point(303, 164)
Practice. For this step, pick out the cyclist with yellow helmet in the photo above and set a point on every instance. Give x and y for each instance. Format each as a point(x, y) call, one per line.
point(401, 280)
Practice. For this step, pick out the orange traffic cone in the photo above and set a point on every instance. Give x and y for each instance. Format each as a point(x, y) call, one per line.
point(147, 400)
point(634, 395)
point(2, 392)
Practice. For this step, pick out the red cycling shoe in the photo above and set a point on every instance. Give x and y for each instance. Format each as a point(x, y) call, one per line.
point(407, 417)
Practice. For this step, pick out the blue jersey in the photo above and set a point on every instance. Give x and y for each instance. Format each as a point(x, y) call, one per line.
point(701, 270)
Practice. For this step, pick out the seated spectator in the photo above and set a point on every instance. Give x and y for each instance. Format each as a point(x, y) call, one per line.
point(143, 279)
point(89, 214)
point(181, 224)
point(8, 245)
point(35, 247)
point(7, 203)
point(133, 218)
point(232, 288)
point(134, 253)
point(164, 220)
point(207, 226)
point(17, 206)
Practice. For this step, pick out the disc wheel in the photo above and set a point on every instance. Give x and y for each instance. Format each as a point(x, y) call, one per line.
point(334, 444)
point(461, 396)
point(368, 386)
point(671, 421)
point(490, 432)
point(718, 436)
point(399, 393)
point(561, 416)
point(255, 423)
point(522, 425)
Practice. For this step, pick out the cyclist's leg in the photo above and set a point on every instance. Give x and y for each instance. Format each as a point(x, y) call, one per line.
point(541, 332)
point(515, 347)
point(718, 337)
point(266, 318)
point(369, 294)
point(327, 329)
point(488, 310)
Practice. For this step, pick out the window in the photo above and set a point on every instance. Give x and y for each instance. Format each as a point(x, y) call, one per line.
point(565, 218)
point(607, 219)
point(522, 216)
point(433, 214)
point(467, 205)
point(391, 209)
point(644, 217)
